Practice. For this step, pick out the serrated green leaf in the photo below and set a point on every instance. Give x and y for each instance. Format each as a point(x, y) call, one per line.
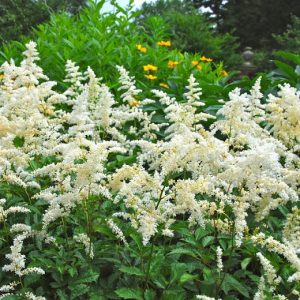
point(207, 240)
point(230, 283)
point(183, 251)
point(79, 290)
point(131, 270)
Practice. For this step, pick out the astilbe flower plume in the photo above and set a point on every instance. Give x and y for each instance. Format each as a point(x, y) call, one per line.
point(252, 169)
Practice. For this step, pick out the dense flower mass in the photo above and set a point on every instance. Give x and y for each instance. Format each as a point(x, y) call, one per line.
point(58, 148)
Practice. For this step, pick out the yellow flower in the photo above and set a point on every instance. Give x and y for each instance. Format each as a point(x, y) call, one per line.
point(151, 77)
point(141, 48)
point(224, 73)
point(150, 68)
point(195, 62)
point(164, 85)
point(1, 76)
point(164, 43)
point(199, 67)
point(172, 64)
point(204, 58)
point(134, 103)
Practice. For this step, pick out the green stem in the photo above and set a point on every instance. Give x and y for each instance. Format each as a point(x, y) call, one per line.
point(148, 267)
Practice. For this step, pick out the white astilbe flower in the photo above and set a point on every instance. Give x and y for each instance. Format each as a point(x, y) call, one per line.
point(194, 92)
point(291, 231)
point(34, 72)
point(117, 231)
point(101, 110)
point(127, 85)
point(289, 253)
point(146, 197)
point(31, 296)
point(93, 85)
point(202, 297)
point(241, 117)
point(219, 259)
point(17, 260)
point(62, 158)
point(79, 118)
point(86, 241)
point(269, 271)
point(182, 116)
point(284, 115)
point(75, 78)
point(259, 295)
point(11, 210)
point(257, 109)
point(17, 228)
point(8, 287)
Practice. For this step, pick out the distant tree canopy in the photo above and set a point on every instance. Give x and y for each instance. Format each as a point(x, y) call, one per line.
point(254, 21)
point(17, 17)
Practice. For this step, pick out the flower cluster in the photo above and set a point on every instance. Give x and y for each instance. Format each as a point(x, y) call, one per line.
point(214, 175)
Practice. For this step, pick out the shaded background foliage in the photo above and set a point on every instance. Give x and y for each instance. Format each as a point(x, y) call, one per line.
point(18, 17)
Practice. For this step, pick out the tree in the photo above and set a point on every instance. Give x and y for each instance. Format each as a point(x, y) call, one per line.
point(215, 8)
point(19, 16)
point(290, 39)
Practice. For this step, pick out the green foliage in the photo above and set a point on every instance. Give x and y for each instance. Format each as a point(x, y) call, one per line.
point(242, 16)
point(290, 39)
point(191, 31)
point(288, 68)
point(178, 267)
point(88, 40)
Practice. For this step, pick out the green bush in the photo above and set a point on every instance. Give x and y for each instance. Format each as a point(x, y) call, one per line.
point(103, 40)
point(118, 196)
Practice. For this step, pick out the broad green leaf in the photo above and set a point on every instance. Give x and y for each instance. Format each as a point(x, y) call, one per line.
point(289, 56)
point(230, 283)
point(130, 293)
point(286, 69)
point(149, 294)
point(187, 277)
point(183, 251)
point(177, 270)
point(245, 262)
point(87, 277)
point(131, 271)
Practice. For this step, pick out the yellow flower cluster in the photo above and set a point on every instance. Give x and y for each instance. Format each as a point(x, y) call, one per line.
point(164, 85)
point(164, 43)
point(196, 64)
point(150, 68)
point(172, 64)
point(141, 48)
point(151, 77)
point(224, 73)
point(204, 58)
